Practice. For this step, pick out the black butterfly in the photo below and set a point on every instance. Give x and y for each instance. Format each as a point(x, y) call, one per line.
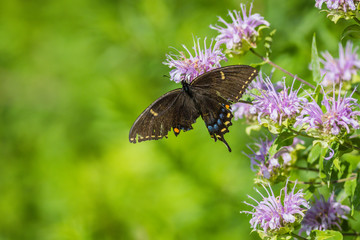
point(209, 96)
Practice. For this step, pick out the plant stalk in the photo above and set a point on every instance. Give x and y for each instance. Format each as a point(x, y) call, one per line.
point(267, 60)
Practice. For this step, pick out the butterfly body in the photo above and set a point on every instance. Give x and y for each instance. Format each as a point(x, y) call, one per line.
point(210, 96)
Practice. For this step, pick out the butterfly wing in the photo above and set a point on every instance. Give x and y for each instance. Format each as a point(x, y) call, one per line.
point(214, 92)
point(229, 82)
point(216, 113)
point(174, 109)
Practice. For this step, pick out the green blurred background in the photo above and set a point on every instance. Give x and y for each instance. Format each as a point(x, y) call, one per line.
point(74, 75)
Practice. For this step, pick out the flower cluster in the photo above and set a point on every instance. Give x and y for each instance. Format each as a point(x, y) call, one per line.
point(274, 167)
point(242, 110)
point(337, 118)
point(244, 29)
point(341, 69)
point(286, 111)
point(324, 215)
point(274, 215)
point(339, 8)
point(275, 106)
point(344, 5)
point(188, 68)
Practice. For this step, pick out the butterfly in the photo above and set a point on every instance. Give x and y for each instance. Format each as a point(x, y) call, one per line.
point(209, 95)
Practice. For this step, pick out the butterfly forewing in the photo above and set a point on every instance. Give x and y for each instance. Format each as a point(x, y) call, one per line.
point(229, 82)
point(172, 110)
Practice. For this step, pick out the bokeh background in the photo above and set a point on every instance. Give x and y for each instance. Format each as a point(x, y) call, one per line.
point(74, 75)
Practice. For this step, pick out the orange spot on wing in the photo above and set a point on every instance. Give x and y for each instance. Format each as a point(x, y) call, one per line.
point(176, 130)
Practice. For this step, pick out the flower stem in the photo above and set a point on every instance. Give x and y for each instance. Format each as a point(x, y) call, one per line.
point(353, 176)
point(267, 60)
point(297, 236)
point(300, 133)
point(306, 169)
point(357, 20)
point(351, 234)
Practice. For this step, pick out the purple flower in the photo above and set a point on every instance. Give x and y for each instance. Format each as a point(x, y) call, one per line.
point(242, 28)
point(339, 116)
point(324, 215)
point(277, 106)
point(342, 69)
point(271, 167)
point(345, 5)
point(242, 110)
point(188, 68)
point(273, 214)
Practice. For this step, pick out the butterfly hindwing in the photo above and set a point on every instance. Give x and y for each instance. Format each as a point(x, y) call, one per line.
point(173, 110)
point(229, 82)
point(217, 115)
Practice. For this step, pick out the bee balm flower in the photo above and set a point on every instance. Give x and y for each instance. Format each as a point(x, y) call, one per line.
point(273, 214)
point(188, 68)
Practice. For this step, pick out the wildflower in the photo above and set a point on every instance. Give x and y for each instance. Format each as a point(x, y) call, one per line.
point(324, 215)
point(337, 118)
point(337, 9)
point(344, 5)
point(242, 110)
point(188, 68)
point(342, 69)
point(275, 106)
point(274, 167)
point(273, 215)
point(242, 29)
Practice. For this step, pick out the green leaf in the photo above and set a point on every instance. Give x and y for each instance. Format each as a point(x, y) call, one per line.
point(314, 153)
point(349, 188)
point(352, 31)
point(328, 164)
point(318, 95)
point(324, 148)
point(336, 164)
point(309, 192)
point(284, 139)
point(356, 199)
point(355, 141)
point(315, 62)
point(325, 235)
point(268, 43)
